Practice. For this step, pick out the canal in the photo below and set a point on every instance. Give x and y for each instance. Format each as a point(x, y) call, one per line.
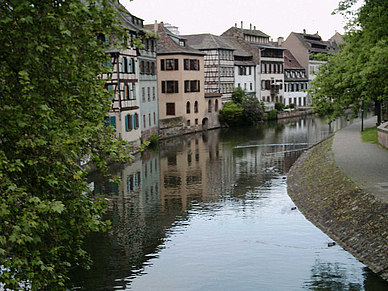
point(210, 211)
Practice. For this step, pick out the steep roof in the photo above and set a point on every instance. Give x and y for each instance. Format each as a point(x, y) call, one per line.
point(313, 42)
point(238, 48)
point(255, 32)
point(169, 43)
point(207, 41)
point(290, 62)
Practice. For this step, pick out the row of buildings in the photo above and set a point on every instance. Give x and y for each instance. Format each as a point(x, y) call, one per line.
point(177, 83)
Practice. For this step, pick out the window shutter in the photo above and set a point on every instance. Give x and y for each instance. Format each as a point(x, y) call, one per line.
point(131, 122)
point(134, 91)
point(163, 86)
point(176, 87)
point(162, 65)
point(123, 64)
point(112, 121)
point(126, 123)
point(199, 88)
point(176, 64)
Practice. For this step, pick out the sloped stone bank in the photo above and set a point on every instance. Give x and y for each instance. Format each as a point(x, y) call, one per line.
point(356, 220)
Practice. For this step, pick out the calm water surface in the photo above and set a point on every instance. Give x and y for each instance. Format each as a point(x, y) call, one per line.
point(210, 211)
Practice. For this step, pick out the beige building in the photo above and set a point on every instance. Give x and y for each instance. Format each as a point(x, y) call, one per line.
point(183, 104)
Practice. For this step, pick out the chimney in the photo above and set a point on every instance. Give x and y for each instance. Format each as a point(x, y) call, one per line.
point(242, 26)
point(250, 26)
point(304, 31)
point(235, 25)
point(280, 41)
point(156, 26)
point(254, 28)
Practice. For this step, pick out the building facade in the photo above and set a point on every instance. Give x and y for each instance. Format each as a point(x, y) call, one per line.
point(295, 81)
point(268, 76)
point(219, 64)
point(132, 77)
point(183, 104)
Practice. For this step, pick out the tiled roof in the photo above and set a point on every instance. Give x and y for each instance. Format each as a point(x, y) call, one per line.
point(313, 42)
point(207, 41)
point(169, 43)
point(290, 62)
point(238, 48)
point(255, 32)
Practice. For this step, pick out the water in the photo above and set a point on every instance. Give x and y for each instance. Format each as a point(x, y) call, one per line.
point(210, 211)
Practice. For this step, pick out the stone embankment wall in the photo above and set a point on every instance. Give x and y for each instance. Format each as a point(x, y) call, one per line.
point(356, 220)
point(382, 134)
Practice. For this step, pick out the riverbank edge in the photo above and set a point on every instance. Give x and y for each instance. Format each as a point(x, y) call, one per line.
point(356, 220)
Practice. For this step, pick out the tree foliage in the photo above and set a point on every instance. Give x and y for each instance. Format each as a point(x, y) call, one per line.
point(238, 95)
point(242, 110)
point(252, 110)
point(52, 109)
point(231, 114)
point(358, 73)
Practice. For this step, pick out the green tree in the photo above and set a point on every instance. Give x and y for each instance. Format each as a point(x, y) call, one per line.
point(52, 109)
point(231, 114)
point(238, 95)
point(252, 110)
point(358, 73)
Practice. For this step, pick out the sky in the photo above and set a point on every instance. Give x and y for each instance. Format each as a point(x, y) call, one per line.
point(273, 17)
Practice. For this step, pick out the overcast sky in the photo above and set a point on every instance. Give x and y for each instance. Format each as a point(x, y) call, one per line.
point(273, 17)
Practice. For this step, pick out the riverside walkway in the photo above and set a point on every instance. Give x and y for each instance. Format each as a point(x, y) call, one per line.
point(365, 164)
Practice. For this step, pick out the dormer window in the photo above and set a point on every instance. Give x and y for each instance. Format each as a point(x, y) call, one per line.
point(181, 42)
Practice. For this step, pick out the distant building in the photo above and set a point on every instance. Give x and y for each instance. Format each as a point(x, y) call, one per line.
point(295, 81)
point(219, 64)
point(268, 60)
point(305, 47)
point(183, 104)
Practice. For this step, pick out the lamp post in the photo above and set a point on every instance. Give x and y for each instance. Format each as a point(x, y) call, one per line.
point(362, 112)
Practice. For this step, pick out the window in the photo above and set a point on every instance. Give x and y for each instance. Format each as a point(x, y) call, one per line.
point(153, 93)
point(131, 121)
point(188, 122)
point(144, 121)
point(196, 107)
point(170, 87)
point(149, 119)
point(192, 86)
point(132, 66)
point(191, 64)
point(143, 94)
point(170, 108)
point(133, 91)
point(188, 107)
point(250, 86)
point(124, 65)
point(154, 118)
point(209, 108)
point(196, 121)
point(216, 105)
point(169, 64)
point(148, 94)
point(142, 67)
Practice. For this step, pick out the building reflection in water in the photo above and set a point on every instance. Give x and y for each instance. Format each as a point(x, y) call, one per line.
point(157, 191)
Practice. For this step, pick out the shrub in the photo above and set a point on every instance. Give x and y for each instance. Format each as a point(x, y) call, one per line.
point(272, 114)
point(231, 113)
point(153, 140)
point(279, 106)
point(252, 110)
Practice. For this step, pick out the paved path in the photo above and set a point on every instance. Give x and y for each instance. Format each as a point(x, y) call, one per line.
point(365, 164)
